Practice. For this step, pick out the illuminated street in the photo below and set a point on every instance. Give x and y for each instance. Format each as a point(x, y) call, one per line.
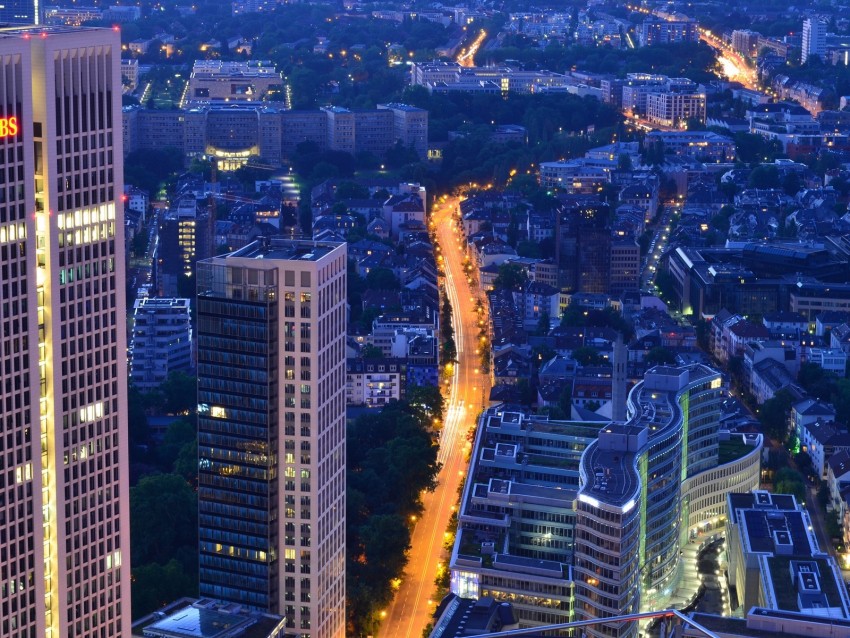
point(657, 246)
point(411, 609)
point(732, 64)
point(467, 56)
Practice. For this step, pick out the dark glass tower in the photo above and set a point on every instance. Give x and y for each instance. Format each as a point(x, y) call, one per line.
point(271, 431)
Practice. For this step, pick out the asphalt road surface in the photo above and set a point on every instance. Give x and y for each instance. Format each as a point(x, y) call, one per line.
point(412, 606)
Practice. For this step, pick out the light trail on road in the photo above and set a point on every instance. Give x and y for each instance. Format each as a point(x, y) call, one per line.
point(467, 56)
point(411, 609)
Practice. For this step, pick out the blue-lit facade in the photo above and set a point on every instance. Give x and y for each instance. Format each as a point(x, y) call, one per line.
point(237, 440)
point(20, 12)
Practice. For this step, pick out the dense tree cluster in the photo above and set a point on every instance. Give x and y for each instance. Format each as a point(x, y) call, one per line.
point(448, 351)
point(575, 315)
point(391, 459)
point(163, 500)
point(149, 168)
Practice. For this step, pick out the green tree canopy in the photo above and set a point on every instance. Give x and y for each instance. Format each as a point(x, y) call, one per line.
point(773, 414)
point(155, 586)
point(588, 356)
point(660, 356)
point(382, 279)
point(764, 176)
point(511, 276)
point(163, 519)
point(180, 432)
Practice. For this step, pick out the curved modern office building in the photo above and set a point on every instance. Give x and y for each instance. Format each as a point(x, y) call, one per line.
point(631, 504)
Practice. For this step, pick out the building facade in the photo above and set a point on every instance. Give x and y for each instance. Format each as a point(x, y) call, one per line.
point(374, 382)
point(64, 527)
point(674, 108)
point(516, 519)
point(241, 81)
point(271, 431)
point(236, 132)
point(23, 12)
point(667, 32)
point(162, 341)
point(629, 524)
point(814, 39)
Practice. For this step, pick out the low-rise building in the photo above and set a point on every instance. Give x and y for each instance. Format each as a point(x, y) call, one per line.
point(242, 81)
point(820, 440)
point(833, 361)
point(767, 378)
point(205, 618)
point(374, 382)
point(775, 562)
point(573, 176)
point(808, 411)
point(699, 145)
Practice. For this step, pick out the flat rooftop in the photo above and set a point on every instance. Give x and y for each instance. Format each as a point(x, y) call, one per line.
point(764, 526)
point(189, 618)
point(611, 476)
point(820, 589)
point(287, 249)
point(43, 30)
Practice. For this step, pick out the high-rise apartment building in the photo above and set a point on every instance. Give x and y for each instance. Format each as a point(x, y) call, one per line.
point(746, 42)
point(654, 31)
point(185, 236)
point(64, 499)
point(814, 39)
point(271, 431)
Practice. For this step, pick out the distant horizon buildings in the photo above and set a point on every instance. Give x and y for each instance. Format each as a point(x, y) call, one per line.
point(234, 133)
point(271, 431)
point(64, 525)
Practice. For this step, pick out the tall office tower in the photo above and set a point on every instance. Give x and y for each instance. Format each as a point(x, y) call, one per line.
point(64, 525)
point(814, 39)
point(632, 506)
point(271, 431)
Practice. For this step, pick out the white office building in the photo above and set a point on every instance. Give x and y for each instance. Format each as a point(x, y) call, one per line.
point(64, 497)
point(162, 341)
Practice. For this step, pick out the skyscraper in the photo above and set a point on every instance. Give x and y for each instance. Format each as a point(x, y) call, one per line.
point(631, 498)
point(64, 500)
point(271, 431)
point(814, 39)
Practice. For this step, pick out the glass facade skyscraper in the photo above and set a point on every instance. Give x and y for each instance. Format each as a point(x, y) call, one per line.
point(631, 510)
point(271, 431)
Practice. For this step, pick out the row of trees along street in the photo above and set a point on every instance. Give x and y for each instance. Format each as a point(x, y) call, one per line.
point(163, 495)
point(391, 460)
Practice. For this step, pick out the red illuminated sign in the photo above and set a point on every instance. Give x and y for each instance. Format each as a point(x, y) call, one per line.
point(8, 126)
